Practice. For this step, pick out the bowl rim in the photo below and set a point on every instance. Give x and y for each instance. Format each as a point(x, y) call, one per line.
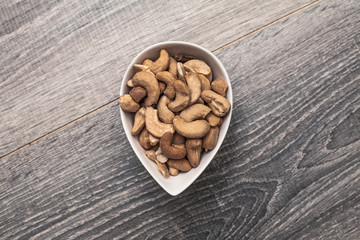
point(229, 97)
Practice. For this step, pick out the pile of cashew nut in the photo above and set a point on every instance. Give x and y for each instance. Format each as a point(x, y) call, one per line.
point(178, 110)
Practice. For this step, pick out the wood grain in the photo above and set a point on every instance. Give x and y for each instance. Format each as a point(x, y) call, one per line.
point(62, 59)
point(289, 167)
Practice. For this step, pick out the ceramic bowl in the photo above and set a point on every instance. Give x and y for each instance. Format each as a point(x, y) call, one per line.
point(174, 185)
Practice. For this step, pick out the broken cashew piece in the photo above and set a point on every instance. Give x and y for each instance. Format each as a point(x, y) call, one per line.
point(194, 129)
point(199, 66)
point(161, 63)
point(153, 124)
point(128, 104)
point(173, 171)
point(153, 140)
point(129, 83)
point(181, 71)
point(211, 139)
point(194, 83)
point(193, 150)
point(160, 156)
point(139, 122)
point(151, 85)
point(165, 114)
point(182, 97)
point(168, 150)
point(219, 86)
point(179, 164)
point(219, 105)
point(194, 112)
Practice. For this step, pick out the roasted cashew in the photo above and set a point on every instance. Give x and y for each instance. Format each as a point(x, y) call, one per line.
point(213, 120)
point(151, 85)
point(153, 124)
point(179, 164)
point(161, 63)
point(194, 129)
point(137, 93)
point(128, 104)
point(129, 83)
point(194, 83)
point(181, 71)
point(219, 86)
point(161, 166)
point(153, 140)
point(199, 66)
point(173, 171)
point(165, 114)
point(211, 139)
point(193, 150)
point(194, 112)
point(144, 139)
point(205, 83)
point(182, 97)
point(165, 77)
point(139, 122)
point(219, 105)
point(168, 150)
point(162, 87)
point(178, 139)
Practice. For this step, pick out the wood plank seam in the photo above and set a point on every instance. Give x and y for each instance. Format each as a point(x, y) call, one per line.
point(112, 101)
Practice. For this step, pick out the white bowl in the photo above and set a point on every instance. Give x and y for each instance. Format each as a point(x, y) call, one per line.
point(177, 184)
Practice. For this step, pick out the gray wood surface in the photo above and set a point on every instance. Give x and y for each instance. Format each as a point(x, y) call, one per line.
point(62, 59)
point(289, 167)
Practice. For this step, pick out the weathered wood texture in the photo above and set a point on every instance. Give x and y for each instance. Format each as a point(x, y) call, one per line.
point(289, 167)
point(62, 59)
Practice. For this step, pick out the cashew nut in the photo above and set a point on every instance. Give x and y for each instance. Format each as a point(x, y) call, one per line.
point(199, 66)
point(194, 129)
point(219, 105)
point(194, 112)
point(128, 104)
point(213, 120)
point(178, 139)
point(165, 114)
point(211, 139)
point(193, 150)
point(144, 139)
point(168, 150)
point(219, 86)
point(181, 71)
point(210, 76)
point(183, 58)
point(139, 122)
point(182, 97)
point(165, 77)
point(173, 171)
point(161, 63)
point(137, 93)
point(161, 166)
point(170, 92)
point(141, 67)
point(194, 83)
point(179, 164)
point(173, 66)
point(205, 83)
point(153, 124)
point(147, 62)
point(151, 85)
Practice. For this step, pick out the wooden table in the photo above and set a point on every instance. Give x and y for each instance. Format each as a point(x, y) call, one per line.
point(289, 167)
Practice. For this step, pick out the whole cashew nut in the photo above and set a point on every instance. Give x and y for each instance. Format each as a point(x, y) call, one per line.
point(219, 105)
point(182, 97)
point(168, 150)
point(153, 124)
point(139, 122)
point(165, 114)
point(128, 104)
point(194, 149)
point(194, 129)
point(151, 85)
point(211, 139)
point(194, 112)
point(179, 164)
point(161, 63)
point(194, 83)
point(199, 66)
